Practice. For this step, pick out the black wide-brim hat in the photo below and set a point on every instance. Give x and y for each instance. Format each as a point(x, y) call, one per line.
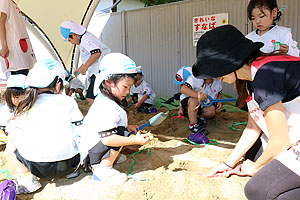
point(221, 51)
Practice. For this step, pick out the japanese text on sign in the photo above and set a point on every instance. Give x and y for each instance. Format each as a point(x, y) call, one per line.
point(203, 24)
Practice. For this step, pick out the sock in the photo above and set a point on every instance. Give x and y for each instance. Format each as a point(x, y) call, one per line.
point(192, 124)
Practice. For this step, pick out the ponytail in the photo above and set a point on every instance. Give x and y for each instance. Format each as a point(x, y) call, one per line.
point(31, 95)
point(27, 102)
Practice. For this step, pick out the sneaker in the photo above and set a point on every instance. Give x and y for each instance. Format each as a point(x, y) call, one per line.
point(108, 174)
point(120, 159)
point(150, 110)
point(74, 174)
point(27, 183)
point(199, 127)
point(140, 109)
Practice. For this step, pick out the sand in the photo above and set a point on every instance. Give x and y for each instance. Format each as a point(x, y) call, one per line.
point(170, 167)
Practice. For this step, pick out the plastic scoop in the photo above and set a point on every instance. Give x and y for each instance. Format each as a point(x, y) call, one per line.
point(209, 101)
point(154, 121)
point(179, 116)
point(234, 171)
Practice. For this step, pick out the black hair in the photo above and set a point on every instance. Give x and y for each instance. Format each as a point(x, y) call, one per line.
point(260, 4)
point(10, 93)
point(31, 95)
point(115, 78)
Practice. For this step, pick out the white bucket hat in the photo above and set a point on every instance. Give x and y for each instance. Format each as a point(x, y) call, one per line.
point(44, 72)
point(114, 63)
point(17, 80)
point(68, 27)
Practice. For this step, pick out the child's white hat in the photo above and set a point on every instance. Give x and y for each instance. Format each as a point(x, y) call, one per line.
point(182, 75)
point(68, 27)
point(17, 80)
point(44, 72)
point(114, 63)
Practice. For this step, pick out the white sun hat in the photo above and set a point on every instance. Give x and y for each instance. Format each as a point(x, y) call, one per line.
point(17, 81)
point(68, 27)
point(114, 63)
point(44, 72)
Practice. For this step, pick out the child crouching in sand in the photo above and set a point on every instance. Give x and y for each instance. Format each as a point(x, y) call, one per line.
point(105, 127)
point(15, 88)
point(42, 133)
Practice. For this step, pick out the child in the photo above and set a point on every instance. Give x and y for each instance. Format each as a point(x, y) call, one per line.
point(15, 88)
point(75, 85)
point(193, 92)
point(91, 51)
point(142, 95)
point(42, 133)
point(16, 52)
point(263, 14)
point(105, 125)
point(273, 103)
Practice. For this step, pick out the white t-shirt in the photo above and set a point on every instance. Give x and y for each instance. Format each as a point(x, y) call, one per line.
point(143, 88)
point(88, 43)
point(5, 116)
point(209, 89)
point(45, 133)
point(16, 34)
point(104, 114)
point(274, 35)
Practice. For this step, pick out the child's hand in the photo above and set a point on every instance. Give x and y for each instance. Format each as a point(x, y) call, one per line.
point(201, 96)
point(284, 48)
point(132, 128)
point(82, 70)
point(180, 111)
point(76, 72)
point(4, 52)
point(136, 105)
point(142, 139)
point(219, 107)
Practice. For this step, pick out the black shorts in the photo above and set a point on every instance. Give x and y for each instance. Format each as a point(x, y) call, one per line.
point(101, 151)
point(50, 169)
point(21, 71)
point(184, 104)
point(97, 153)
point(90, 90)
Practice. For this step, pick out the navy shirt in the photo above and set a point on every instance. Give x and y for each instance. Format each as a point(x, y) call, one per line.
point(277, 79)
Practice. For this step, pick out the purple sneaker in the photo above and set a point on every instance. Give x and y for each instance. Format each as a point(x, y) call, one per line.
point(198, 138)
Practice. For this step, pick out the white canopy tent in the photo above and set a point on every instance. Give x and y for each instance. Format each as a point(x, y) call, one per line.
point(48, 16)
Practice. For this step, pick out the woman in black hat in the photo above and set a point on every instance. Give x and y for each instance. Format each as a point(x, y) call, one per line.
point(273, 100)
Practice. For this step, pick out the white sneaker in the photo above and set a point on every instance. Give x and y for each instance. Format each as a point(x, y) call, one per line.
point(27, 183)
point(120, 159)
point(108, 174)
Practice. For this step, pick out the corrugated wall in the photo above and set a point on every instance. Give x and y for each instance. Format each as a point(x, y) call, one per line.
point(113, 33)
point(159, 38)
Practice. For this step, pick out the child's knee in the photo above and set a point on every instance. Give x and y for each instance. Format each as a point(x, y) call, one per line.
point(192, 102)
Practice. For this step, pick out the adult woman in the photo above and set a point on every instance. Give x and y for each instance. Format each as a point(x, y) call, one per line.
point(273, 101)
